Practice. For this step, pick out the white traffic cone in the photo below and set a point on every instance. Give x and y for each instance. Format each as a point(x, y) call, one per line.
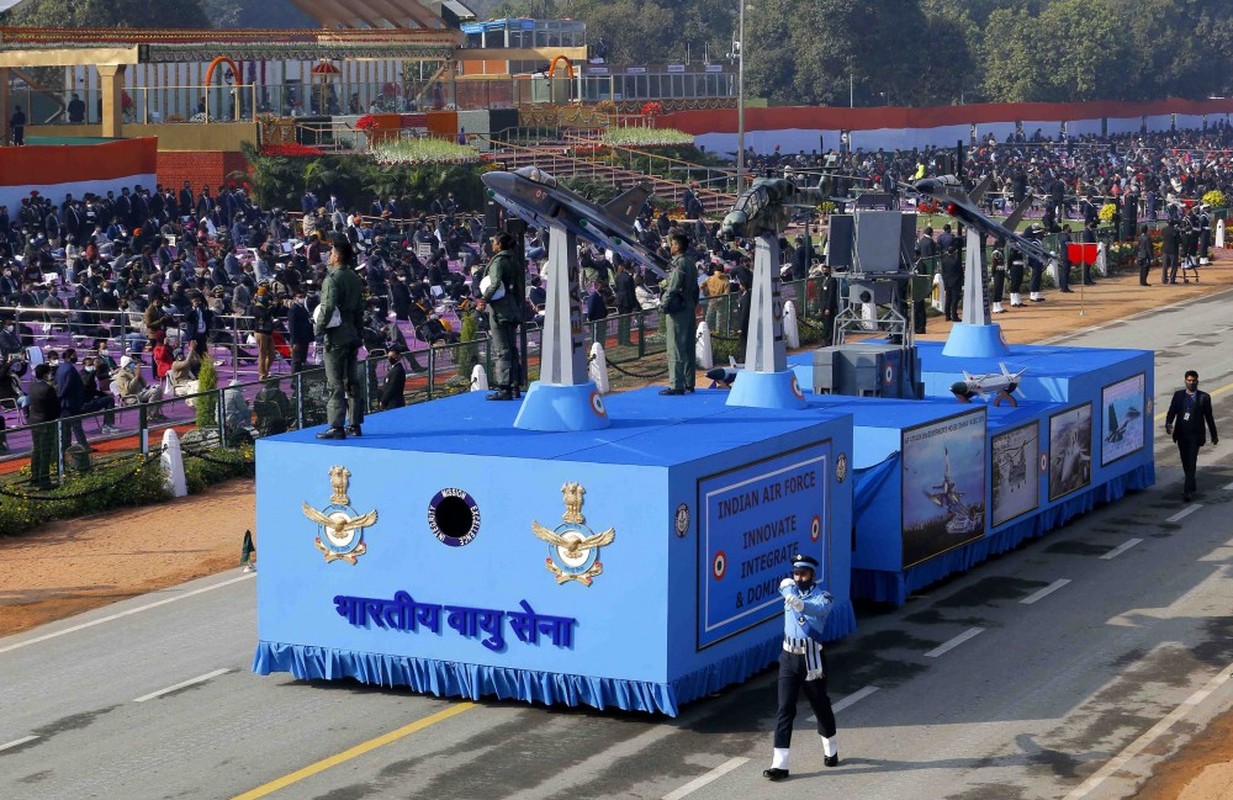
point(479, 379)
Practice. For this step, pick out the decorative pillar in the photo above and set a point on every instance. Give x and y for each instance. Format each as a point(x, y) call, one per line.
point(112, 78)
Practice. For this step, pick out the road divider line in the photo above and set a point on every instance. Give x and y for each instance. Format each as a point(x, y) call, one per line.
point(1045, 592)
point(17, 742)
point(354, 752)
point(849, 701)
point(1121, 548)
point(1185, 512)
point(182, 685)
point(953, 643)
point(112, 617)
point(854, 698)
point(1139, 745)
point(710, 777)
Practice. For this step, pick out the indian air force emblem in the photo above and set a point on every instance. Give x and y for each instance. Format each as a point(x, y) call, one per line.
point(573, 549)
point(340, 528)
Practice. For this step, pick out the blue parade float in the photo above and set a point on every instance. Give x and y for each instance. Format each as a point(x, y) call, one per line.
point(633, 567)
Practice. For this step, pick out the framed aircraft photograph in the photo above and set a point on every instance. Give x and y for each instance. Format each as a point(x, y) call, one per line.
point(943, 487)
point(1015, 488)
point(1070, 450)
point(1123, 423)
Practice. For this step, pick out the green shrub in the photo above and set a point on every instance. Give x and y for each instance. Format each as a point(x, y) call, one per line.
point(124, 482)
point(468, 352)
point(207, 404)
point(215, 466)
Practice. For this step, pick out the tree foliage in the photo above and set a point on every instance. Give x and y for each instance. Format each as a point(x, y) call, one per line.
point(927, 52)
point(107, 14)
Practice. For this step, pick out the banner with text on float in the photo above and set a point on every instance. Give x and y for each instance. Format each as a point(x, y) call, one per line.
point(754, 519)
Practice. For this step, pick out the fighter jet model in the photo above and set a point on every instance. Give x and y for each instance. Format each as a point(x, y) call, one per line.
point(1118, 432)
point(535, 196)
point(954, 201)
point(947, 494)
point(993, 382)
point(763, 208)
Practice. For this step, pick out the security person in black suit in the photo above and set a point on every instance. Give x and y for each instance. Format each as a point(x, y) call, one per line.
point(1189, 412)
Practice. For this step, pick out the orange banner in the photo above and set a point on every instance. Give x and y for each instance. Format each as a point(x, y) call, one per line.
point(33, 165)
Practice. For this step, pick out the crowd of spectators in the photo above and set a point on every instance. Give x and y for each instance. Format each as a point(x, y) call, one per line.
point(150, 282)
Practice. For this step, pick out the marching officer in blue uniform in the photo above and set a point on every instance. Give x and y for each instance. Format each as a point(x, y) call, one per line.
point(802, 664)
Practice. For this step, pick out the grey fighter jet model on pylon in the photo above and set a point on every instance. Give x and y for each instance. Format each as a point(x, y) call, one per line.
point(535, 196)
point(763, 208)
point(949, 193)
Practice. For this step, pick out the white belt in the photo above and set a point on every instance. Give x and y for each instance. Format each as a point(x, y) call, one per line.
point(796, 650)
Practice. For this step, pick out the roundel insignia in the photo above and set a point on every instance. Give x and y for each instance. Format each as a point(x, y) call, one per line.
point(1044, 462)
point(597, 404)
point(841, 467)
point(815, 528)
point(680, 521)
point(890, 375)
point(719, 567)
point(796, 388)
point(454, 517)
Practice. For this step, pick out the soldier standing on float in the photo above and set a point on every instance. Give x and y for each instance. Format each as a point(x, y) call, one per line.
point(341, 291)
point(679, 304)
point(502, 294)
point(802, 665)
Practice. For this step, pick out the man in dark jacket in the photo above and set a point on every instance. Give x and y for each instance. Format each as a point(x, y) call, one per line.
point(952, 281)
point(44, 407)
point(393, 393)
point(1143, 255)
point(626, 301)
point(299, 330)
point(71, 392)
point(1188, 421)
point(1170, 244)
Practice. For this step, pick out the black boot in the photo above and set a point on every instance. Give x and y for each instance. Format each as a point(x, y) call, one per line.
point(502, 393)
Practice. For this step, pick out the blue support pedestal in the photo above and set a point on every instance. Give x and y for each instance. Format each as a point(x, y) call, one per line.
point(554, 407)
point(976, 341)
point(766, 390)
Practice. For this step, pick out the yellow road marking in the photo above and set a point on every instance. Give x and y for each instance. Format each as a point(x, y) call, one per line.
point(358, 750)
point(1228, 387)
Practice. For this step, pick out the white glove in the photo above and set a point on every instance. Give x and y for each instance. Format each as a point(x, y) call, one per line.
point(794, 602)
point(785, 584)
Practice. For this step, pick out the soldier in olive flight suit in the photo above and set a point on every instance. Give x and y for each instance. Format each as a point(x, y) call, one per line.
point(679, 301)
point(341, 291)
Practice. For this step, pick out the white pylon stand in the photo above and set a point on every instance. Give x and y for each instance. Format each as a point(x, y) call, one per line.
point(791, 333)
point(1219, 240)
point(564, 398)
point(976, 336)
point(172, 462)
point(598, 367)
point(479, 379)
point(704, 354)
point(766, 381)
